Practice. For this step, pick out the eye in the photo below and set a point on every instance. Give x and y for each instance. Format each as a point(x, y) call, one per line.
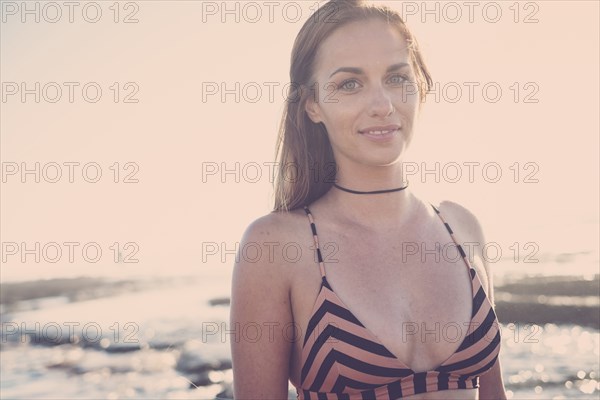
point(349, 84)
point(398, 79)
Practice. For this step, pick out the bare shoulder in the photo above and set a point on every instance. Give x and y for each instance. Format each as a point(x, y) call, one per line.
point(465, 222)
point(264, 237)
point(275, 226)
point(469, 232)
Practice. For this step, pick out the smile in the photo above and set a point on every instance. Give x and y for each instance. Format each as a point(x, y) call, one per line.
point(379, 130)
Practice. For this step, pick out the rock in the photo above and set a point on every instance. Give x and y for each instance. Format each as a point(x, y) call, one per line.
point(122, 347)
point(227, 393)
point(197, 357)
point(200, 379)
point(222, 301)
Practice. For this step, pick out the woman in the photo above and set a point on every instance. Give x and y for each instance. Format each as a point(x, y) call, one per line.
point(335, 303)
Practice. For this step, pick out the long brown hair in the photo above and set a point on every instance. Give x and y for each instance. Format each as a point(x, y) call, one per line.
point(306, 168)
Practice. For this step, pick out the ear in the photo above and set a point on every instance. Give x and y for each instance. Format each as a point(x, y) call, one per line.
point(313, 110)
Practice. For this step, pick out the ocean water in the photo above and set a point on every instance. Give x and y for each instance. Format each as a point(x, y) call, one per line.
point(168, 340)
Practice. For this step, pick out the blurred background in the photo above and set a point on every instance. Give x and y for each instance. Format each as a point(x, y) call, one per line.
point(136, 144)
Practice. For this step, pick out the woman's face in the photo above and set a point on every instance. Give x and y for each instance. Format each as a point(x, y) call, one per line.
point(367, 97)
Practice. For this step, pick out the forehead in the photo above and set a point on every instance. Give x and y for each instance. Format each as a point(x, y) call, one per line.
point(364, 44)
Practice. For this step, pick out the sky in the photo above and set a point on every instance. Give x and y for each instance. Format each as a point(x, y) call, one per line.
point(163, 98)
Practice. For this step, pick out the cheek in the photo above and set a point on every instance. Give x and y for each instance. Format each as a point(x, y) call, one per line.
point(338, 120)
point(408, 109)
point(339, 113)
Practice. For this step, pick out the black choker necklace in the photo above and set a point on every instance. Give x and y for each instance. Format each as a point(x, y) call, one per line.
point(373, 192)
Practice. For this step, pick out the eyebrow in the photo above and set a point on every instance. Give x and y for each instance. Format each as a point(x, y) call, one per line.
point(358, 71)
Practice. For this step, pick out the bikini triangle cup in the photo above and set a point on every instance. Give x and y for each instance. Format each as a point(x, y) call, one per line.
point(341, 355)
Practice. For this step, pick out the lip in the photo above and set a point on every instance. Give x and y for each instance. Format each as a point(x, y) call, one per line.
point(391, 131)
point(392, 127)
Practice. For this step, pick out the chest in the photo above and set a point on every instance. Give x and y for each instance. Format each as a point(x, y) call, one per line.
point(412, 292)
point(390, 284)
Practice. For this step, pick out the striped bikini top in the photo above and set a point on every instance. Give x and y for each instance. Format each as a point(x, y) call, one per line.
point(342, 359)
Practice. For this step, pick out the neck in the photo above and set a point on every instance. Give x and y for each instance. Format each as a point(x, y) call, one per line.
point(371, 192)
point(376, 211)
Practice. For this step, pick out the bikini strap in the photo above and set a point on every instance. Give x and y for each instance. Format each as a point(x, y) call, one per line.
point(458, 246)
point(313, 227)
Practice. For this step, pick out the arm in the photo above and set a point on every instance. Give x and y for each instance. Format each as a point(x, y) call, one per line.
point(260, 308)
point(491, 383)
point(491, 386)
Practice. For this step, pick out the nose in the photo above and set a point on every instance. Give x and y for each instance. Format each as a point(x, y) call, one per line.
point(380, 102)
